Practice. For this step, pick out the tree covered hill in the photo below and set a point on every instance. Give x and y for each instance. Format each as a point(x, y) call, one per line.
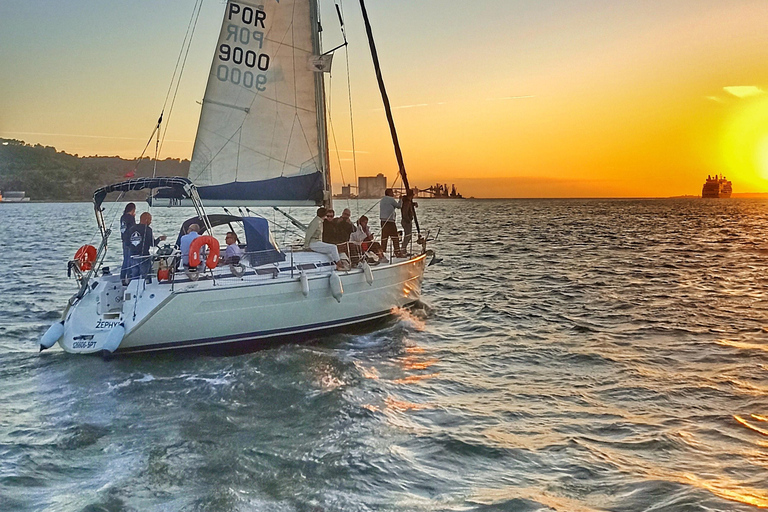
point(49, 175)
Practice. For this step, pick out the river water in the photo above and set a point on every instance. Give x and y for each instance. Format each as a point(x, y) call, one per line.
point(570, 355)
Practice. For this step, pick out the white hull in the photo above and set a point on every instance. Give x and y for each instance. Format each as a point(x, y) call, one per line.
point(230, 311)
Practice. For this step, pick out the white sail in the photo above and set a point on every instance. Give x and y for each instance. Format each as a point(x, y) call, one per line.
point(261, 137)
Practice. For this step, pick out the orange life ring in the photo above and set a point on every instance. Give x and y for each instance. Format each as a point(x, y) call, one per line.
point(85, 257)
point(213, 251)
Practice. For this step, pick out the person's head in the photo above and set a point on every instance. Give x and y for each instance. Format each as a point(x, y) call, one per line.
point(363, 221)
point(193, 227)
point(321, 212)
point(329, 214)
point(346, 214)
point(230, 238)
point(389, 192)
point(130, 208)
point(146, 218)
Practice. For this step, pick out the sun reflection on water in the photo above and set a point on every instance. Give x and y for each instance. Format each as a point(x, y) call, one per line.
point(750, 426)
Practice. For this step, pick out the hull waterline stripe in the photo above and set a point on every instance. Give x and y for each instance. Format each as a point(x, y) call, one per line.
point(235, 338)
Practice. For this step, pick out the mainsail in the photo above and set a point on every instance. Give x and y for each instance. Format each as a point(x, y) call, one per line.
point(261, 137)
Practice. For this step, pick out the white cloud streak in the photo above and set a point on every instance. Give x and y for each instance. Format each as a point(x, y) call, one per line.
point(505, 98)
point(744, 91)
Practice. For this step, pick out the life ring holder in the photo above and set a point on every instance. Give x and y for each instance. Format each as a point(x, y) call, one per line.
point(213, 251)
point(237, 269)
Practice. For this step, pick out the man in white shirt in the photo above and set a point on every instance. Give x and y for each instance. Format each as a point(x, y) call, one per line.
point(388, 216)
point(233, 253)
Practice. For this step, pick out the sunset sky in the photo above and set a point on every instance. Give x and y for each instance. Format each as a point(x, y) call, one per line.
point(505, 98)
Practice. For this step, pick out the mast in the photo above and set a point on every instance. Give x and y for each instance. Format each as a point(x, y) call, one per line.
point(387, 107)
point(322, 130)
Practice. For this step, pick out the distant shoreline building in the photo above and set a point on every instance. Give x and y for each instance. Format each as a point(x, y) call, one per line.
point(13, 196)
point(373, 187)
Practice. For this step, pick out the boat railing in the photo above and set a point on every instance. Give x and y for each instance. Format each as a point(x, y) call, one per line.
point(251, 265)
point(166, 265)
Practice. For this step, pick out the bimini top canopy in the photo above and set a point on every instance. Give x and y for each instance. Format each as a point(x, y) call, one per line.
point(216, 219)
point(178, 185)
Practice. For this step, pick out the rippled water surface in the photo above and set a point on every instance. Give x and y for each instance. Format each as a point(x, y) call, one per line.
point(571, 355)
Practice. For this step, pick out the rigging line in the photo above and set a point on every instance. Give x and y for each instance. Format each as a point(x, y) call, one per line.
point(154, 171)
point(214, 156)
point(157, 152)
point(183, 45)
point(293, 54)
point(288, 146)
point(318, 162)
point(149, 141)
point(372, 207)
point(329, 100)
point(173, 78)
point(387, 106)
point(351, 120)
point(181, 71)
point(114, 213)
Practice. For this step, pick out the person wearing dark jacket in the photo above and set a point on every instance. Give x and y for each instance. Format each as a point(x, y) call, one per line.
point(329, 228)
point(127, 221)
point(408, 205)
point(140, 239)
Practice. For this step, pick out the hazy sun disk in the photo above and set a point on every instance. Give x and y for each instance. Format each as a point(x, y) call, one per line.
point(745, 142)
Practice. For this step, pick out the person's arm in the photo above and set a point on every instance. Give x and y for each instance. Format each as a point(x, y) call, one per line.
point(311, 229)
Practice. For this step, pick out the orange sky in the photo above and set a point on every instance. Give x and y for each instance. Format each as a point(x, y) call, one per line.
point(512, 98)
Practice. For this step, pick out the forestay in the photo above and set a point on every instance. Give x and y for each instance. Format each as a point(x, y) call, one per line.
point(261, 137)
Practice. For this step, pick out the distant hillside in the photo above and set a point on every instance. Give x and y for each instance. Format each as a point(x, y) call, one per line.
point(49, 175)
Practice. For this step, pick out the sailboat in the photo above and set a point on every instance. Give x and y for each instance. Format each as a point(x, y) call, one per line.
point(261, 141)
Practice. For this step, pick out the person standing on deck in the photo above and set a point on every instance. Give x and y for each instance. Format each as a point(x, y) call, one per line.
point(141, 238)
point(127, 221)
point(388, 218)
point(407, 221)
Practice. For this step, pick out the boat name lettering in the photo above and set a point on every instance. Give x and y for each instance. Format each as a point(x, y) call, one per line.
point(247, 15)
point(104, 324)
point(83, 344)
point(244, 35)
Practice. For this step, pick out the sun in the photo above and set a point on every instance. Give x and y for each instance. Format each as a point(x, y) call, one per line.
point(761, 154)
point(745, 143)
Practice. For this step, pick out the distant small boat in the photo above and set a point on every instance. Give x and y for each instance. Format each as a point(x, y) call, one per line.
point(716, 187)
point(12, 196)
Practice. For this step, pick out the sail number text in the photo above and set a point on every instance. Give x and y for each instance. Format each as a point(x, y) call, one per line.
point(234, 74)
point(243, 66)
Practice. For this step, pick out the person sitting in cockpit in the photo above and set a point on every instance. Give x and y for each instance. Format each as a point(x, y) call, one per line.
point(233, 252)
point(192, 232)
point(313, 239)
